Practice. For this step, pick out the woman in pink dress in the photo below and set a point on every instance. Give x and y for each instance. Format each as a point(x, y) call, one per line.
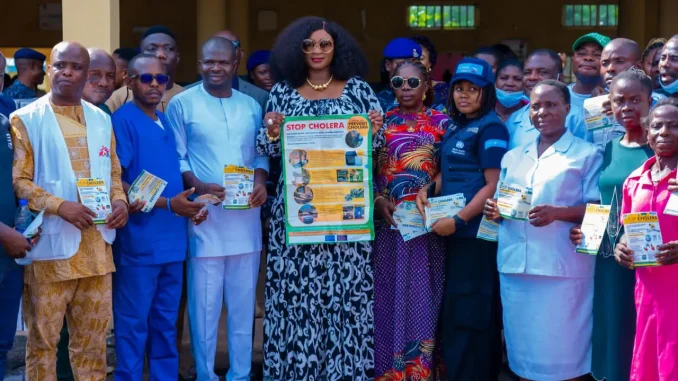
point(647, 189)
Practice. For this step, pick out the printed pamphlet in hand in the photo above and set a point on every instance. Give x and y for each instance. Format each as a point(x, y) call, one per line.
point(409, 220)
point(602, 127)
point(443, 207)
point(514, 202)
point(146, 188)
point(94, 195)
point(239, 184)
point(593, 228)
point(643, 236)
point(32, 229)
point(488, 230)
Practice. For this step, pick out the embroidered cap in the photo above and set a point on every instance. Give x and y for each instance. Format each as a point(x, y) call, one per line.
point(473, 70)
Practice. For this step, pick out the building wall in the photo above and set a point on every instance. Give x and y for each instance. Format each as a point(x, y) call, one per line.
point(536, 22)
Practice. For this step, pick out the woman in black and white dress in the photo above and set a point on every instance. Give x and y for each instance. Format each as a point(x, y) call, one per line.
point(319, 308)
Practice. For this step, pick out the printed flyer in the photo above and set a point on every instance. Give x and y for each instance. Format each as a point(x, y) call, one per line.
point(94, 195)
point(409, 220)
point(488, 230)
point(601, 127)
point(328, 179)
point(672, 205)
point(643, 236)
point(239, 184)
point(147, 188)
point(593, 228)
point(443, 207)
point(514, 202)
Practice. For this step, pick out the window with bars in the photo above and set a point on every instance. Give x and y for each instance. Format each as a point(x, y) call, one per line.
point(442, 17)
point(591, 15)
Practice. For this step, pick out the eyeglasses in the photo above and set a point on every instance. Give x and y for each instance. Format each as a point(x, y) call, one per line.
point(147, 79)
point(308, 45)
point(398, 82)
point(236, 44)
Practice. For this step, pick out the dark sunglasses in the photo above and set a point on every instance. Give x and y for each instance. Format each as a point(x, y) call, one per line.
point(308, 45)
point(147, 79)
point(398, 82)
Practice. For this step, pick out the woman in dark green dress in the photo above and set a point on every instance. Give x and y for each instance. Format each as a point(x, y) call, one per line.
point(614, 313)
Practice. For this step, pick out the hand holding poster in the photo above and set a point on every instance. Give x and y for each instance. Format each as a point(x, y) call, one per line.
point(328, 179)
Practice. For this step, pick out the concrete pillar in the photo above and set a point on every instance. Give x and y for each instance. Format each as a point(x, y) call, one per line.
point(238, 23)
point(93, 23)
point(211, 16)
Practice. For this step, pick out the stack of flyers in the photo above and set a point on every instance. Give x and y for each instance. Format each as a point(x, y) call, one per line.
point(146, 188)
point(94, 195)
point(488, 230)
point(672, 205)
point(443, 207)
point(643, 236)
point(514, 202)
point(593, 228)
point(239, 184)
point(409, 220)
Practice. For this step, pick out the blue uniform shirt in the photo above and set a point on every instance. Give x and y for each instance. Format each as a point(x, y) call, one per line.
point(7, 199)
point(465, 154)
point(159, 236)
point(19, 91)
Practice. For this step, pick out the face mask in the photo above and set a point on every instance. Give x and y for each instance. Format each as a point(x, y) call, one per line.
point(510, 99)
point(670, 88)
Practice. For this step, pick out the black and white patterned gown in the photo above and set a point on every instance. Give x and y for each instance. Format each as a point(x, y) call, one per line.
point(319, 319)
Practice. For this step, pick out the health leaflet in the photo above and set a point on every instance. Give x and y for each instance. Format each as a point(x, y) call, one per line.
point(33, 227)
point(593, 228)
point(94, 195)
point(239, 183)
point(146, 188)
point(643, 236)
point(488, 230)
point(602, 127)
point(443, 207)
point(328, 179)
point(409, 220)
point(514, 202)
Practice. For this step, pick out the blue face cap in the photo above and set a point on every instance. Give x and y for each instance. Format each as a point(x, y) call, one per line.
point(402, 48)
point(474, 70)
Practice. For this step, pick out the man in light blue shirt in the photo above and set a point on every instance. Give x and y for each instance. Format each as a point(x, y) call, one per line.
point(216, 126)
point(586, 67)
point(540, 65)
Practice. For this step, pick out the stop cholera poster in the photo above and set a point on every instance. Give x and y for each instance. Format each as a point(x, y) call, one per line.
point(328, 179)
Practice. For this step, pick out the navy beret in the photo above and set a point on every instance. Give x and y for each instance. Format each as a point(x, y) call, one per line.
point(402, 48)
point(30, 54)
point(257, 58)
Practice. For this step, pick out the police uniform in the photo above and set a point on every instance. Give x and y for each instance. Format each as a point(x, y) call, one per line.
point(398, 48)
point(19, 90)
point(471, 317)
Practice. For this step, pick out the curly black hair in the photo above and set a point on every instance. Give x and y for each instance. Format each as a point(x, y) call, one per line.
point(424, 75)
point(487, 103)
point(652, 45)
point(664, 102)
point(428, 45)
point(287, 58)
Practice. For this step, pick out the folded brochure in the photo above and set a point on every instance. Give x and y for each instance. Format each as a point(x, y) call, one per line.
point(643, 236)
point(443, 207)
point(593, 228)
point(94, 195)
point(146, 188)
point(514, 202)
point(409, 220)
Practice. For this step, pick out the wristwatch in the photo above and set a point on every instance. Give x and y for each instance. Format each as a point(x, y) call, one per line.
point(459, 222)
